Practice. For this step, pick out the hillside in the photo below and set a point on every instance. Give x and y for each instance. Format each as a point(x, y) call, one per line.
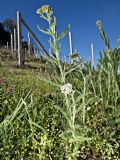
point(42, 120)
point(28, 74)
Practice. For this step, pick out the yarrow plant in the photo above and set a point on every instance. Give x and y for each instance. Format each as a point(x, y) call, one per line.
point(69, 110)
point(46, 13)
point(66, 89)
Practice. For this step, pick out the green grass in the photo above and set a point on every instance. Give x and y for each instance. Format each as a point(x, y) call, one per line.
point(34, 118)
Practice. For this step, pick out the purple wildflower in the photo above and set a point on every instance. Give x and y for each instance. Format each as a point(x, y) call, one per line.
point(9, 90)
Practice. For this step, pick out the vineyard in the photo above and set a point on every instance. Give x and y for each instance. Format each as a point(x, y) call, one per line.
point(51, 110)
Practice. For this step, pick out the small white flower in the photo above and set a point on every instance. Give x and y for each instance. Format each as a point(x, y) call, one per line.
point(88, 108)
point(66, 89)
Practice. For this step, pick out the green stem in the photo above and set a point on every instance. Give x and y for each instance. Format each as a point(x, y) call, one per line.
point(92, 83)
point(67, 104)
point(74, 109)
point(83, 99)
point(61, 73)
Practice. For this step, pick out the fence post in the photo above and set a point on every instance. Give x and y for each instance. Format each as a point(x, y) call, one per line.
point(20, 58)
point(11, 36)
point(29, 44)
point(71, 47)
point(14, 39)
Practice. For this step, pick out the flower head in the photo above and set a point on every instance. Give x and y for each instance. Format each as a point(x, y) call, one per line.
point(98, 23)
point(9, 90)
point(66, 89)
point(45, 9)
point(75, 56)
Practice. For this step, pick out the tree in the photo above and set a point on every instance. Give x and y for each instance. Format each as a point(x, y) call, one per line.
point(9, 25)
point(4, 35)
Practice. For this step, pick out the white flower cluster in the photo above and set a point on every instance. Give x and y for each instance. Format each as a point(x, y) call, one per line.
point(66, 89)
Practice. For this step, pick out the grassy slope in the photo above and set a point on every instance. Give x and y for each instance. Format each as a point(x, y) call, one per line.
point(27, 139)
point(28, 76)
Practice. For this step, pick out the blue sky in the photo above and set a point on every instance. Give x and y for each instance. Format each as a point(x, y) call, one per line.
point(80, 14)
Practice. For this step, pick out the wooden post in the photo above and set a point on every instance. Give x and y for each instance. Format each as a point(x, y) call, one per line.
point(29, 44)
point(20, 59)
point(15, 40)
point(71, 48)
point(11, 42)
point(92, 55)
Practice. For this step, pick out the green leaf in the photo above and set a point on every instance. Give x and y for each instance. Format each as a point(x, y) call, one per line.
point(38, 126)
point(102, 33)
point(50, 82)
point(53, 25)
point(42, 16)
point(65, 114)
point(53, 47)
point(67, 134)
point(72, 69)
point(43, 31)
point(62, 35)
